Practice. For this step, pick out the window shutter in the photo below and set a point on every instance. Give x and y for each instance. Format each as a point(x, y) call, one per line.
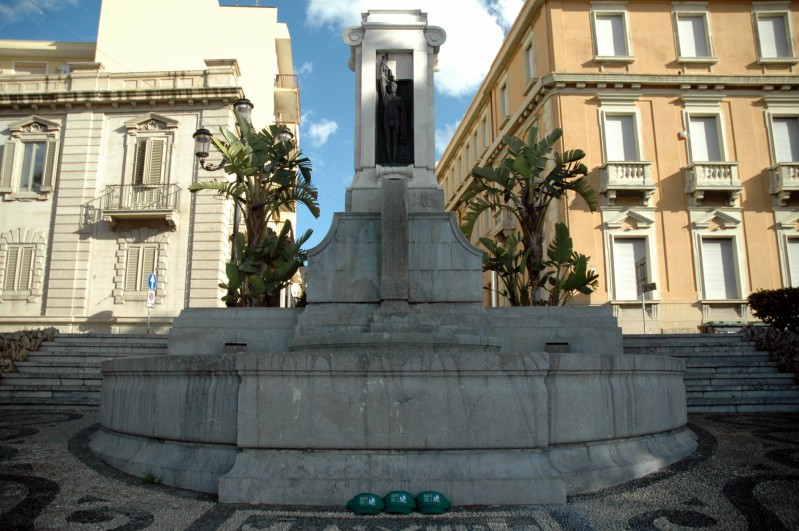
point(626, 251)
point(691, 36)
point(25, 268)
point(620, 138)
point(771, 33)
point(786, 139)
point(610, 35)
point(156, 166)
point(12, 260)
point(148, 266)
point(48, 176)
point(793, 261)
point(6, 171)
point(132, 268)
point(718, 269)
point(704, 137)
point(139, 162)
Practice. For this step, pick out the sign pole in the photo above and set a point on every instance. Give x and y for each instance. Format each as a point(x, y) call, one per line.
point(152, 283)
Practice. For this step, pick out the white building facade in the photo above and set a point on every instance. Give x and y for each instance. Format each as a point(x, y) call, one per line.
point(96, 157)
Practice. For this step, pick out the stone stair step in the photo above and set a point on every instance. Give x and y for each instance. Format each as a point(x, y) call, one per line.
point(693, 383)
point(740, 361)
point(39, 367)
point(100, 350)
point(744, 394)
point(702, 372)
point(743, 408)
point(67, 380)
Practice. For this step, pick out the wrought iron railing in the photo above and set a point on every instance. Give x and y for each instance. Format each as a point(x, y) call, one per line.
point(286, 81)
point(141, 197)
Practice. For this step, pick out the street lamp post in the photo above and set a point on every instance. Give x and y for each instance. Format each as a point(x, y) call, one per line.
point(202, 147)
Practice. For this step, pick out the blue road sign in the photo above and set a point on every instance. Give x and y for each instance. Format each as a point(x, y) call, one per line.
point(152, 281)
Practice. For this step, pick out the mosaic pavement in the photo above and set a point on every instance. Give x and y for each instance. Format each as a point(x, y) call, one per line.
point(745, 475)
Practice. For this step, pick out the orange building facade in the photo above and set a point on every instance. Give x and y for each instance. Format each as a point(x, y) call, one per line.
point(689, 115)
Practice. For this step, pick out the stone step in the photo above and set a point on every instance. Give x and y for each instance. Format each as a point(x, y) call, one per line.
point(743, 408)
point(654, 340)
point(760, 370)
point(84, 404)
point(101, 350)
point(66, 380)
point(751, 401)
point(704, 352)
point(744, 393)
point(81, 359)
point(111, 339)
point(740, 361)
point(740, 379)
point(51, 391)
point(41, 367)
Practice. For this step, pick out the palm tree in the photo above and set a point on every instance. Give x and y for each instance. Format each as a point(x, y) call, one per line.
point(524, 185)
point(270, 177)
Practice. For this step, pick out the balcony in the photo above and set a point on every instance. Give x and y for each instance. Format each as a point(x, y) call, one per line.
point(504, 223)
point(627, 177)
point(703, 177)
point(126, 203)
point(287, 99)
point(784, 182)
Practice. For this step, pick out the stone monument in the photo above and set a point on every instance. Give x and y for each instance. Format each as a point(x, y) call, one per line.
point(394, 376)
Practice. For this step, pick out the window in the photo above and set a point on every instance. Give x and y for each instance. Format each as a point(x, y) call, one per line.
point(147, 149)
point(626, 252)
point(476, 149)
point(620, 138)
point(19, 268)
point(140, 262)
point(148, 166)
point(718, 269)
point(530, 73)
point(486, 133)
point(611, 41)
point(704, 137)
point(692, 32)
point(785, 133)
point(21, 265)
point(30, 68)
point(29, 161)
point(773, 27)
point(504, 100)
point(793, 261)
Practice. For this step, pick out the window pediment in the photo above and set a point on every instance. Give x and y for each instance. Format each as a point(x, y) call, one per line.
point(33, 125)
point(632, 218)
point(151, 122)
point(716, 219)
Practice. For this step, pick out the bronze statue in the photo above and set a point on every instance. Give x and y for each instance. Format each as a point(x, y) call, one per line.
point(393, 112)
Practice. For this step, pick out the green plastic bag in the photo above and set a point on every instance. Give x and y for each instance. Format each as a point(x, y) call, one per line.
point(399, 502)
point(366, 503)
point(432, 502)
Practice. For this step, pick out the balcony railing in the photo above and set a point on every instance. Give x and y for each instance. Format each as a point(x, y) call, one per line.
point(784, 181)
point(286, 81)
point(504, 223)
point(630, 176)
point(139, 202)
point(701, 177)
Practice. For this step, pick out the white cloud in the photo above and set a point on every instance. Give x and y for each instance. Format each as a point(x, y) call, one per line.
point(16, 10)
point(320, 131)
point(475, 31)
point(305, 69)
point(444, 135)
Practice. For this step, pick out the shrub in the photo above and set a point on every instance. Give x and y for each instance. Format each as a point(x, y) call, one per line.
point(783, 345)
point(16, 345)
point(778, 308)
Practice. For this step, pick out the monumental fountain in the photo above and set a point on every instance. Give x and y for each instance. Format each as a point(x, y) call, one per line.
point(394, 376)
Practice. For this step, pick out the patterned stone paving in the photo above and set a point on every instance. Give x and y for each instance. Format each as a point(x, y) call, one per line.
point(745, 475)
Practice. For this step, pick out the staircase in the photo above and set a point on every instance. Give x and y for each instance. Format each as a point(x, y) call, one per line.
point(725, 373)
point(65, 373)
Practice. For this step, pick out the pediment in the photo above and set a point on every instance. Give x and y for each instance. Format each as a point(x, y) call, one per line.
point(717, 220)
point(34, 124)
point(631, 219)
point(151, 122)
point(787, 220)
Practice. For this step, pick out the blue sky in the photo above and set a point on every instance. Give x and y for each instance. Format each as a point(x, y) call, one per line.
point(475, 29)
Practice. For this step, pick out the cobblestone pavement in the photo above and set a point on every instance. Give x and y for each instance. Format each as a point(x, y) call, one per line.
point(745, 475)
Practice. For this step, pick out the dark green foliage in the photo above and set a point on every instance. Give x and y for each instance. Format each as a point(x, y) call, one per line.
point(778, 308)
point(270, 178)
point(524, 185)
